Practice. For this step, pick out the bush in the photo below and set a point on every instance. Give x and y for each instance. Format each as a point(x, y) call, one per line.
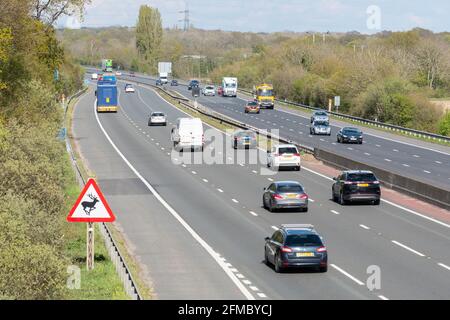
point(444, 125)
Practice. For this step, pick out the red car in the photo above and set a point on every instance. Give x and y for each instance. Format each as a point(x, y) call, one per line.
point(219, 90)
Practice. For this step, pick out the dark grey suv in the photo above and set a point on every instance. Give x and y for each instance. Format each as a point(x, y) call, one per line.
point(296, 245)
point(356, 185)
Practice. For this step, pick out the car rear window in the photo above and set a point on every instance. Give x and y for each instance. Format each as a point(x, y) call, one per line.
point(303, 240)
point(253, 104)
point(361, 177)
point(158, 114)
point(245, 134)
point(287, 150)
point(352, 130)
point(285, 188)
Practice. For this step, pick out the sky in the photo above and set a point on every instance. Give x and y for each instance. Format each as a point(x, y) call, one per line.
point(365, 16)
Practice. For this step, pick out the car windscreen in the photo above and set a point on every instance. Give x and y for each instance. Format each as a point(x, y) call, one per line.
point(265, 92)
point(303, 240)
point(361, 177)
point(351, 131)
point(321, 114)
point(321, 123)
point(287, 150)
point(210, 87)
point(230, 85)
point(157, 114)
point(289, 188)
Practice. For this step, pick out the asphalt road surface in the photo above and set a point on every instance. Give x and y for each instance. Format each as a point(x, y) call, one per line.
point(222, 205)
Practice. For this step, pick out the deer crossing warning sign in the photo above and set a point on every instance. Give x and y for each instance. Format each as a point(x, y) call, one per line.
point(91, 206)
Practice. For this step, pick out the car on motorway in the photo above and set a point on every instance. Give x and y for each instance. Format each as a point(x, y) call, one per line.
point(157, 118)
point(209, 90)
point(320, 127)
point(118, 73)
point(350, 135)
point(295, 246)
point(94, 76)
point(187, 133)
point(252, 107)
point(174, 83)
point(284, 156)
point(132, 74)
point(193, 83)
point(244, 139)
point(158, 82)
point(285, 195)
point(320, 115)
point(129, 88)
point(220, 91)
point(356, 186)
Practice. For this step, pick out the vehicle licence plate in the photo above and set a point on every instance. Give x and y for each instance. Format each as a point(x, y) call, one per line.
point(363, 184)
point(305, 254)
point(291, 196)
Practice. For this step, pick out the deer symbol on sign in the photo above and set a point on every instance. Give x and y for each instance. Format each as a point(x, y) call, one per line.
point(88, 206)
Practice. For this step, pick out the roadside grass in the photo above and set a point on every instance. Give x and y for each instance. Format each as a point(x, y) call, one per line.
point(103, 282)
point(353, 122)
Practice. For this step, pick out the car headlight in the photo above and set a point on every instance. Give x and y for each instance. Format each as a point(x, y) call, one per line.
point(344, 136)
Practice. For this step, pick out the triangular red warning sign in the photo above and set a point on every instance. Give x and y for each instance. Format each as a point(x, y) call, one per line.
point(91, 206)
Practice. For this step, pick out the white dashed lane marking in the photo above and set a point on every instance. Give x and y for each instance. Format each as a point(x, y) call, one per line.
point(407, 248)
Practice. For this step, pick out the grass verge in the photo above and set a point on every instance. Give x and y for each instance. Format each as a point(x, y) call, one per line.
point(103, 282)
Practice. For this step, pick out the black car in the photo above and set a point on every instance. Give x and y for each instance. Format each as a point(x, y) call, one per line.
point(352, 186)
point(174, 83)
point(296, 245)
point(158, 82)
point(193, 83)
point(350, 135)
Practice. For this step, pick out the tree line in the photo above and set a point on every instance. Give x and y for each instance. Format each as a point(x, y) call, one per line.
point(388, 77)
point(34, 166)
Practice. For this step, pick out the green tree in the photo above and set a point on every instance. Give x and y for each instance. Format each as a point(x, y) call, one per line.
point(149, 34)
point(444, 125)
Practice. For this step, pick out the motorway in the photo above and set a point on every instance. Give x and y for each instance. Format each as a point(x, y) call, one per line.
point(199, 229)
point(411, 158)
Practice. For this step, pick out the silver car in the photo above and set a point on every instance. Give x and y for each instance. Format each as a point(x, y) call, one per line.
point(209, 90)
point(285, 195)
point(320, 115)
point(245, 139)
point(157, 118)
point(320, 127)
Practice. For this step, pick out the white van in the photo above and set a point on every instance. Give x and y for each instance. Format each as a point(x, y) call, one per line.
point(229, 86)
point(188, 134)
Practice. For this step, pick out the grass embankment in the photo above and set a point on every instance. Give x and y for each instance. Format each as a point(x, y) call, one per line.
point(103, 282)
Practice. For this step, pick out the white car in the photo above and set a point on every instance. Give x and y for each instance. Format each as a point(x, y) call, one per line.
point(129, 88)
point(209, 91)
point(94, 76)
point(157, 118)
point(320, 115)
point(118, 73)
point(284, 155)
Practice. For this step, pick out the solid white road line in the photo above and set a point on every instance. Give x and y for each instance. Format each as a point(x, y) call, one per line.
point(347, 274)
point(444, 266)
point(408, 248)
point(175, 214)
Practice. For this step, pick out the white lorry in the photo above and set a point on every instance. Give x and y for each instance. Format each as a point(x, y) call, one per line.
point(188, 134)
point(229, 87)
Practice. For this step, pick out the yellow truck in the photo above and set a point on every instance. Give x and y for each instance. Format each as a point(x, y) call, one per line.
point(263, 94)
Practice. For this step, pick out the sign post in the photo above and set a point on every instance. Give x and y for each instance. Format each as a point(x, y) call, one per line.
point(337, 102)
point(90, 207)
